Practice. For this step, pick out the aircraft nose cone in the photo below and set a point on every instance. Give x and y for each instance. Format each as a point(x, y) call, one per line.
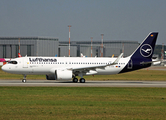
point(4, 68)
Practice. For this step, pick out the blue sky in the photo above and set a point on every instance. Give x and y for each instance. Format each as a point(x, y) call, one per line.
point(116, 19)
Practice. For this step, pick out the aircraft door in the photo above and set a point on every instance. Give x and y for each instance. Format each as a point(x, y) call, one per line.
point(25, 62)
point(130, 64)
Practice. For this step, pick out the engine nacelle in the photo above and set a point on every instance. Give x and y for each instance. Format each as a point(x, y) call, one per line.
point(60, 75)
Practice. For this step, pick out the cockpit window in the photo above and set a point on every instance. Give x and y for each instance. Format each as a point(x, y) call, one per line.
point(12, 62)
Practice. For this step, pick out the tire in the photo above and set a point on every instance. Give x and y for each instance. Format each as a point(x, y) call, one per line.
point(24, 81)
point(75, 80)
point(82, 80)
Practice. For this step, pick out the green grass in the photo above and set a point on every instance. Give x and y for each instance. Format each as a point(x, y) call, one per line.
point(144, 74)
point(70, 103)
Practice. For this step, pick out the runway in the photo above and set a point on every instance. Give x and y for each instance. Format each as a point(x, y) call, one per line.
point(110, 83)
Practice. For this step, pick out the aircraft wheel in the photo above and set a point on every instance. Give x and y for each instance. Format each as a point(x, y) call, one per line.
point(75, 80)
point(24, 80)
point(82, 80)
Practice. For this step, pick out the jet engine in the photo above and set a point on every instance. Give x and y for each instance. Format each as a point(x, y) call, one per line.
point(60, 75)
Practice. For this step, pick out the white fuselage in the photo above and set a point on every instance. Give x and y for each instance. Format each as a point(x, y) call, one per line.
point(46, 65)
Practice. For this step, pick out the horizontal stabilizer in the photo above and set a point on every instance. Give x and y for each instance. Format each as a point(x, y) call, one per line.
point(143, 63)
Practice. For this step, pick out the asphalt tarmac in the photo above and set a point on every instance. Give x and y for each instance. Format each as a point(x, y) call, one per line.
point(110, 83)
point(88, 83)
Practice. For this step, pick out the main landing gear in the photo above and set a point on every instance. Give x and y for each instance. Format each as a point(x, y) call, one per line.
point(24, 79)
point(82, 80)
point(75, 80)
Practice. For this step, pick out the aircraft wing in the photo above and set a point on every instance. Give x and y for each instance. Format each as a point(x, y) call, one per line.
point(86, 69)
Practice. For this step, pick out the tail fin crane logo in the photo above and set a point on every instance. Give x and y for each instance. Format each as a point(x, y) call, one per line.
point(146, 50)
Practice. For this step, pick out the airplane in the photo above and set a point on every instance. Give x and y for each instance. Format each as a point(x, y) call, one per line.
point(156, 62)
point(2, 60)
point(68, 68)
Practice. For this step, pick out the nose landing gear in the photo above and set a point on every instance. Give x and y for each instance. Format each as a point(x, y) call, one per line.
point(24, 79)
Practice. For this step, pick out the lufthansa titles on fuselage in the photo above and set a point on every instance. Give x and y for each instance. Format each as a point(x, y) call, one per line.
point(42, 60)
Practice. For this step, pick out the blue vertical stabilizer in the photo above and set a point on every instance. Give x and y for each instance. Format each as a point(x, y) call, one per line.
point(142, 56)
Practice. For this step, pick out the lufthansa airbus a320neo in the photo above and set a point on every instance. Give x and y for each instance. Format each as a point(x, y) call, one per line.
point(68, 68)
